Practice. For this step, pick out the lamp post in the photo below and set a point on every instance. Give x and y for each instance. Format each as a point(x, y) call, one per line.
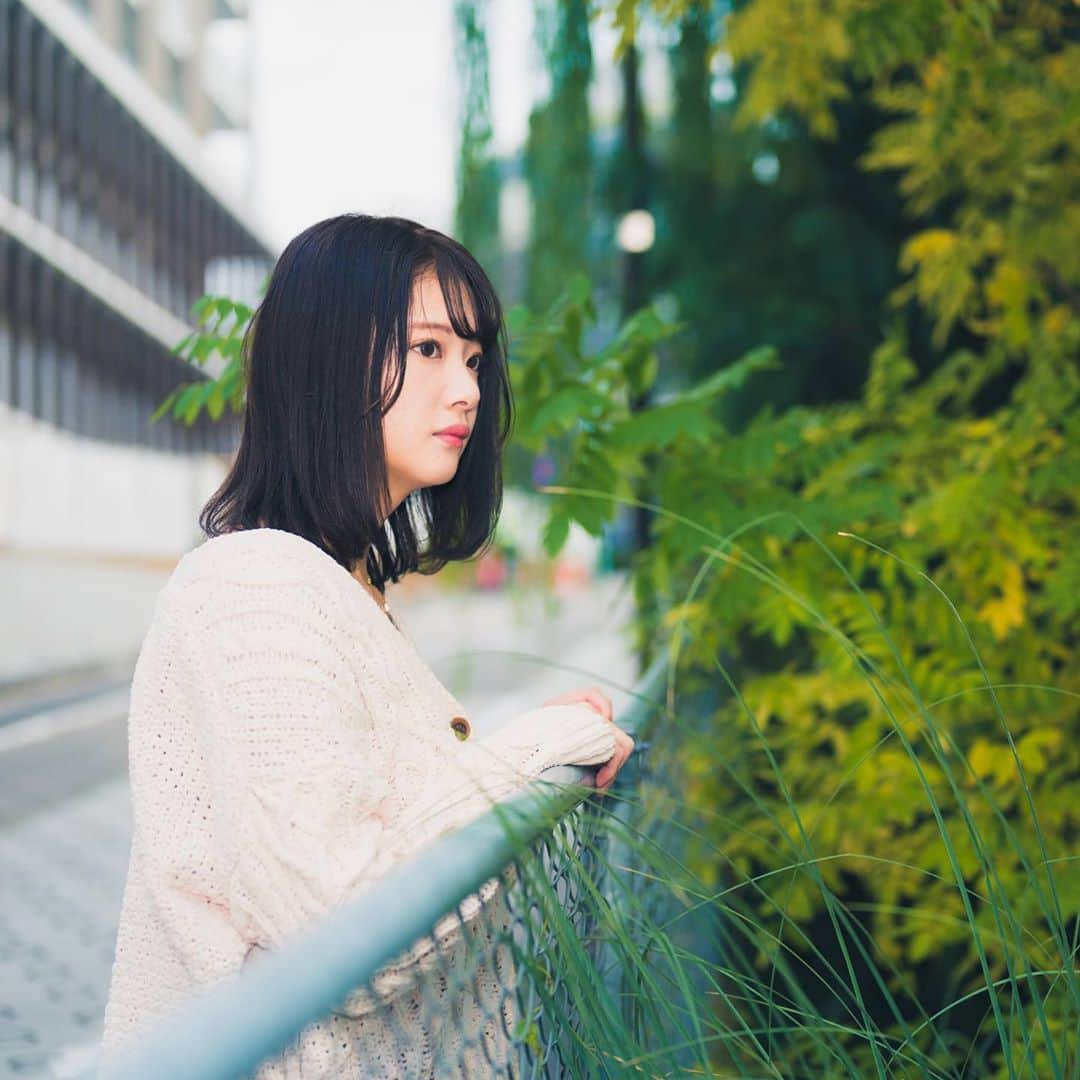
point(635, 234)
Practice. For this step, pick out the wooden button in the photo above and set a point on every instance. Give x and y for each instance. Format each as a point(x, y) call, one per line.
point(461, 727)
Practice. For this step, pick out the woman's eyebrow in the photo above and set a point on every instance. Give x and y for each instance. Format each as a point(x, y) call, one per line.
point(437, 326)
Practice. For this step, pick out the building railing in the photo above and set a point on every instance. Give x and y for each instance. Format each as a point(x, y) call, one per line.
point(462, 953)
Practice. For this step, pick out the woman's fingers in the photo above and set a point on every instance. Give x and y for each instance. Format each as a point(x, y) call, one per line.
point(624, 744)
point(600, 701)
point(624, 747)
point(591, 695)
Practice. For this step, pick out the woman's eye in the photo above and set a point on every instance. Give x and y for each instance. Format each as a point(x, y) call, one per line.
point(430, 349)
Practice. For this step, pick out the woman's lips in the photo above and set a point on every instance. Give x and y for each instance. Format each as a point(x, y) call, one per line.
point(451, 440)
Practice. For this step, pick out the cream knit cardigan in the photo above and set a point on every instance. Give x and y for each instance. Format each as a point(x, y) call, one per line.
point(287, 747)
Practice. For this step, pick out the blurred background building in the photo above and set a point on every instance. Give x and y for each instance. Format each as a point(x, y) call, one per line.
point(125, 174)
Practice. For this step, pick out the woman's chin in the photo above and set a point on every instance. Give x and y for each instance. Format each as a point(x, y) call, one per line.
point(438, 477)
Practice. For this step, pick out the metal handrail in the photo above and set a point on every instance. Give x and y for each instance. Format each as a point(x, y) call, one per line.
point(247, 1018)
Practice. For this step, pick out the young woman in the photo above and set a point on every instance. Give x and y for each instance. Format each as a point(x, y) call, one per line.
point(287, 744)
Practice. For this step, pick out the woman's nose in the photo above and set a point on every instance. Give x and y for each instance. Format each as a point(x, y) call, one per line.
point(466, 387)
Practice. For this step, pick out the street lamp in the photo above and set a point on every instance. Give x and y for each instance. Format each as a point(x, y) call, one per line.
point(636, 231)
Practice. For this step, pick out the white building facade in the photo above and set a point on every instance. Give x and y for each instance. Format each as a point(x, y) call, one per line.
point(125, 174)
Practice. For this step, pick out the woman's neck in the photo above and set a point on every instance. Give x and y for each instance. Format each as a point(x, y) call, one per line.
point(360, 572)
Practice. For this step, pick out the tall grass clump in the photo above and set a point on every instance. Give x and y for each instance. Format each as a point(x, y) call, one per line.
point(790, 898)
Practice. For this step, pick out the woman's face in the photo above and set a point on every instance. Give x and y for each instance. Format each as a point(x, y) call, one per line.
point(441, 390)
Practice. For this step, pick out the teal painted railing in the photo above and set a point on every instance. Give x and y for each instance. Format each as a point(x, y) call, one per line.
point(500, 960)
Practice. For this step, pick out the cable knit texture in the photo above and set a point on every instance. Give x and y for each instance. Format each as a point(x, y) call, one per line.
point(287, 747)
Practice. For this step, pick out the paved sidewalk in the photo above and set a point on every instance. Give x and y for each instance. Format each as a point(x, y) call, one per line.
point(63, 881)
point(65, 817)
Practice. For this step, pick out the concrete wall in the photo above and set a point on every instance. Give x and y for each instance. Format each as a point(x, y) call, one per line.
point(89, 532)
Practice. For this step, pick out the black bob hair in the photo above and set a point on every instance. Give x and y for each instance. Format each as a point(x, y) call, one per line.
point(311, 458)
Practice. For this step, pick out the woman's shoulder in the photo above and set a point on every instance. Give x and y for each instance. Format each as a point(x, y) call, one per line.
point(242, 561)
point(258, 576)
point(254, 555)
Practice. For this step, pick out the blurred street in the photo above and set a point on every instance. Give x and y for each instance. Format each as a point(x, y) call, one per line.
point(65, 815)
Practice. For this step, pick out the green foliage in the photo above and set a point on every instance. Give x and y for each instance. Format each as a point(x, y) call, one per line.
point(558, 152)
point(901, 745)
point(983, 99)
point(578, 403)
point(902, 739)
point(476, 217)
point(803, 255)
point(220, 327)
point(835, 678)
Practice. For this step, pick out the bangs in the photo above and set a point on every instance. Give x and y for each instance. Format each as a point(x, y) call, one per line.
point(464, 289)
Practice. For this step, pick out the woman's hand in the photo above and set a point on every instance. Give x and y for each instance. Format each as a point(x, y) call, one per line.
point(624, 744)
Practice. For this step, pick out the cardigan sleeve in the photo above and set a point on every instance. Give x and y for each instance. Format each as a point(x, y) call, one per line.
point(305, 761)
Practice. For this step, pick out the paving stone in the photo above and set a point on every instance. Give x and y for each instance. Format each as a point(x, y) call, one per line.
point(60, 899)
